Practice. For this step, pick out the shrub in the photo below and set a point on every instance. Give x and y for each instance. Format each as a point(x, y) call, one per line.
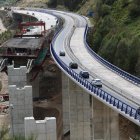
point(125, 3)
point(105, 25)
point(109, 2)
point(97, 39)
point(135, 56)
point(105, 10)
point(72, 4)
point(135, 9)
point(108, 47)
point(5, 36)
point(52, 3)
point(121, 56)
point(4, 135)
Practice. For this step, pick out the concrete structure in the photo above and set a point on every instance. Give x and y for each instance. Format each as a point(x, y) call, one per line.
point(17, 76)
point(105, 122)
point(76, 110)
point(41, 129)
point(85, 117)
point(20, 100)
point(34, 83)
point(20, 78)
point(65, 102)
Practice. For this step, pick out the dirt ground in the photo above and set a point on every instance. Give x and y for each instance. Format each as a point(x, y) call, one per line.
point(4, 82)
point(50, 89)
point(2, 28)
point(4, 120)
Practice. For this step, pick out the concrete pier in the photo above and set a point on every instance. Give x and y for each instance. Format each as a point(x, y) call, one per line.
point(86, 117)
point(20, 78)
point(105, 122)
point(76, 101)
point(66, 103)
point(40, 129)
point(17, 76)
point(20, 100)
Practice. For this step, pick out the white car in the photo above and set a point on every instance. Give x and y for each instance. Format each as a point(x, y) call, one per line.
point(96, 82)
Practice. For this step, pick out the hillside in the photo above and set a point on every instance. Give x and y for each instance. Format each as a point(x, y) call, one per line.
point(117, 33)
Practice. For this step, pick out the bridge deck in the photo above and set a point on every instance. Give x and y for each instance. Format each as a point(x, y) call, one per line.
point(109, 78)
point(32, 43)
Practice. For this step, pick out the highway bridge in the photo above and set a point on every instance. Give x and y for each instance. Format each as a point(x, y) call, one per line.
point(120, 90)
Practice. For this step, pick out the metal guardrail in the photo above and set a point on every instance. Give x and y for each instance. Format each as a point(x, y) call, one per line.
point(103, 95)
point(108, 98)
point(119, 71)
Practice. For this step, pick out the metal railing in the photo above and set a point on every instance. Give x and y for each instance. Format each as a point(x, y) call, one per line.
point(108, 98)
point(93, 90)
point(119, 71)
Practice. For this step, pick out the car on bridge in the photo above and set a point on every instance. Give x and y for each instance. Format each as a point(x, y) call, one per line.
point(62, 53)
point(96, 82)
point(73, 65)
point(84, 74)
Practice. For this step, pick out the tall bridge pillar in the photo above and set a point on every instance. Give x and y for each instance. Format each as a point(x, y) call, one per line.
point(65, 103)
point(20, 99)
point(76, 110)
point(105, 122)
point(34, 83)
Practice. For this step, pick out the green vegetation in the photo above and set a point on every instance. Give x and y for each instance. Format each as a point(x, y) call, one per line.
point(5, 36)
point(7, 21)
point(5, 136)
point(72, 5)
point(117, 33)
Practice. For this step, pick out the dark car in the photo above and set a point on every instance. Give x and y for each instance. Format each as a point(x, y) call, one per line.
point(73, 65)
point(84, 74)
point(61, 53)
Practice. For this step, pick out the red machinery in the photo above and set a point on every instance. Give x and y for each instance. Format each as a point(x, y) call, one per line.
point(26, 24)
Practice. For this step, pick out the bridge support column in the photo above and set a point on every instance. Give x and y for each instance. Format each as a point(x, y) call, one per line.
point(111, 124)
point(65, 102)
point(20, 98)
point(34, 84)
point(105, 122)
point(78, 103)
point(97, 119)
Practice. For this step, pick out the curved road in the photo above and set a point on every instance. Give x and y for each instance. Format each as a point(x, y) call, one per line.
point(71, 40)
